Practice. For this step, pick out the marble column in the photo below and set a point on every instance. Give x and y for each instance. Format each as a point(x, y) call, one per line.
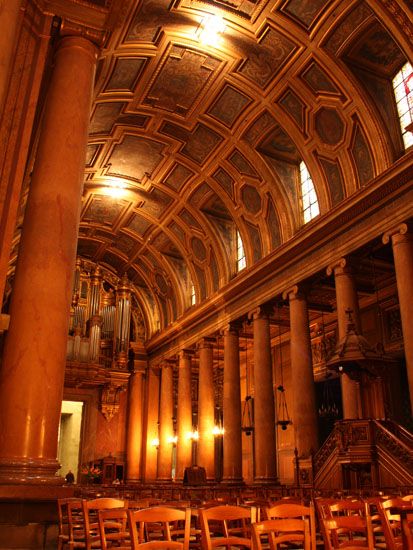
point(264, 410)
point(151, 426)
point(347, 299)
point(9, 25)
point(184, 415)
point(206, 408)
point(134, 431)
point(34, 358)
point(302, 377)
point(232, 440)
point(401, 239)
point(166, 426)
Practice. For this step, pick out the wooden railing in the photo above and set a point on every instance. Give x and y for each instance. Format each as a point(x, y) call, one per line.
point(382, 451)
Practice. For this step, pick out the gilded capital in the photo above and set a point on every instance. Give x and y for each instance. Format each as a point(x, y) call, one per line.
point(294, 293)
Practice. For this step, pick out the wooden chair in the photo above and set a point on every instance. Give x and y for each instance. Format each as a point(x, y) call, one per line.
point(407, 528)
point(329, 509)
point(89, 537)
point(113, 529)
point(356, 532)
point(294, 511)
point(154, 528)
point(76, 524)
point(63, 520)
point(280, 532)
point(226, 526)
point(391, 522)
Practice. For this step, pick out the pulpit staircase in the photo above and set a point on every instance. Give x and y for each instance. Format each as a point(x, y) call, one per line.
point(365, 455)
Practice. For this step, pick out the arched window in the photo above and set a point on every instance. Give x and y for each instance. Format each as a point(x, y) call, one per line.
point(309, 201)
point(403, 91)
point(241, 261)
point(193, 295)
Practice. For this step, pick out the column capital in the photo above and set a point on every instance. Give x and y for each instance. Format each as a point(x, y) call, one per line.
point(207, 342)
point(261, 312)
point(296, 292)
point(186, 353)
point(167, 364)
point(69, 29)
point(401, 232)
point(233, 327)
point(339, 267)
point(78, 42)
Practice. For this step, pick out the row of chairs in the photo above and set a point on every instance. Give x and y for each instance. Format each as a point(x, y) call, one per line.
point(112, 523)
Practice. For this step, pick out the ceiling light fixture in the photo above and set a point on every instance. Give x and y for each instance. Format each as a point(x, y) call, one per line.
point(210, 29)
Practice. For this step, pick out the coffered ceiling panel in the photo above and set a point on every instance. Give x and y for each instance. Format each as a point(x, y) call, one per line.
point(194, 136)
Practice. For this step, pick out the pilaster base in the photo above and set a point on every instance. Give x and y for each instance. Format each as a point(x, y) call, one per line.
point(31, 471)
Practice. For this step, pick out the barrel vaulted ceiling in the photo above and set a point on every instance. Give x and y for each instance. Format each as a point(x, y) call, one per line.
point(203, 139)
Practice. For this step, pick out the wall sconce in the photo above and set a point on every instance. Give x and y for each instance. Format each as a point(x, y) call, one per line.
point(218, 430)
point(173, 439)
point(194, 435)
point(210, 29)
point(155, 442)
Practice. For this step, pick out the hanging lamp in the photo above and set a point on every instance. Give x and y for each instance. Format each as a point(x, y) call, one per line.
point(247, 424)
point(283, 418)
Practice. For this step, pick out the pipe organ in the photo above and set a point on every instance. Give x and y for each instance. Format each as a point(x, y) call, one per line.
point(99, 333)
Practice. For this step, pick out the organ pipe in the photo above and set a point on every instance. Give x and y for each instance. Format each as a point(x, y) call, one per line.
point(122, 322)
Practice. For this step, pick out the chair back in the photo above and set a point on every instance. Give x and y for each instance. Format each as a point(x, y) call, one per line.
point(63, 520)
point(348, 531)
point(392, 527)
point(90, 517)
point(297, 511)
point(231, 524)
point(282, 531)
point(160, 522)
point(113, 529)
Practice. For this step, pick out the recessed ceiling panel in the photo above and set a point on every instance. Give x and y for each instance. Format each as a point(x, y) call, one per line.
point(135, 157)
